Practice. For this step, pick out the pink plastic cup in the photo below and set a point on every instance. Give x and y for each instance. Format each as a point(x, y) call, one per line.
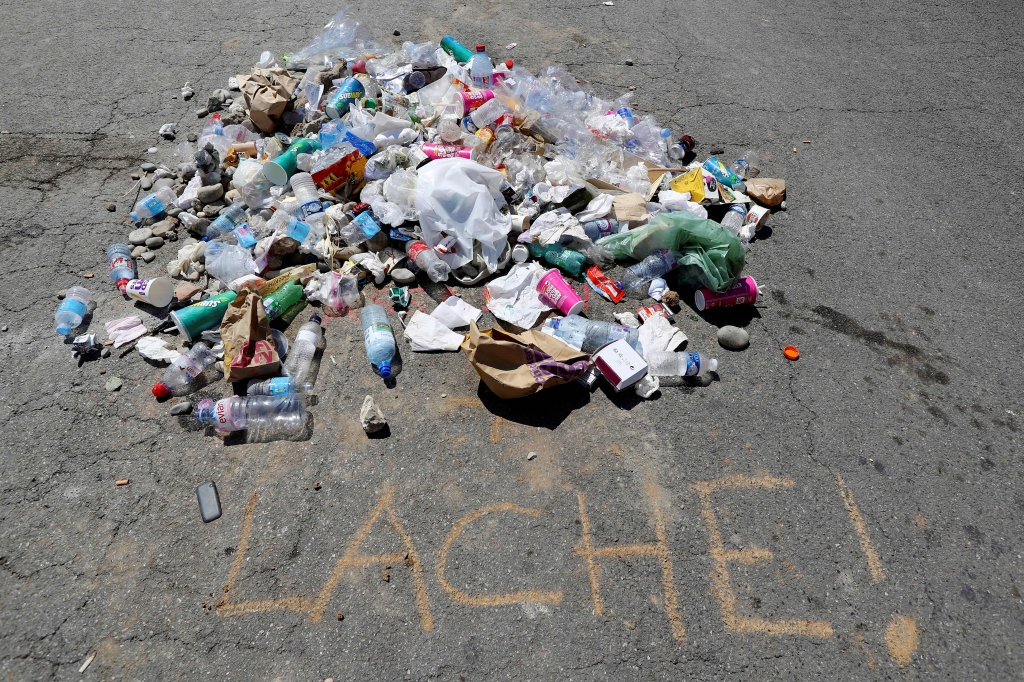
point(744, 293)
point(471, 100)
point(557, 293)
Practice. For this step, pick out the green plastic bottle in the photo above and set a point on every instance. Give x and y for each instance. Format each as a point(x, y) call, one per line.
point(277, 303)
point(559, 256)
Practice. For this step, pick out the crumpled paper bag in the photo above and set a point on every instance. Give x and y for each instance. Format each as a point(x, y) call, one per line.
point(249, 349)
point(267, 93)
point(516, 365)
point(426, 333)
point(767, 191)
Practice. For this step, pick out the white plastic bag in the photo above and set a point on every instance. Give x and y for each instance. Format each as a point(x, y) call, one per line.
point(514, 297)
point(462, 198)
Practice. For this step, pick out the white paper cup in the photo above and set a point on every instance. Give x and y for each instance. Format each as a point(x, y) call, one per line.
point(156, 292)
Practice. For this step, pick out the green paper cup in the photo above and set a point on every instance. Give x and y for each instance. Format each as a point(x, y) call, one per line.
point(284, 166)
point(199, 317)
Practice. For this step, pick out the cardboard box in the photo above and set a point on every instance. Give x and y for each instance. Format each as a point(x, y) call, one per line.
point(620, 364)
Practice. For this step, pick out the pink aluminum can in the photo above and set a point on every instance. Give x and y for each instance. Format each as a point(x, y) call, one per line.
point(471, 100)
point(744, 293)
point(447, 151)
point(556, 292)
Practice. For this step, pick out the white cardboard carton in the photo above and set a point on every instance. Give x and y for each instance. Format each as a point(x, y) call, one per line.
point(620, 364)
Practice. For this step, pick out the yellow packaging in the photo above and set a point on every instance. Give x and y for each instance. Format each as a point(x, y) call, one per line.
point(691, 181)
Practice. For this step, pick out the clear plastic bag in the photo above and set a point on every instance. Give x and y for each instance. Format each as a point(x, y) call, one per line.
point(343, 36)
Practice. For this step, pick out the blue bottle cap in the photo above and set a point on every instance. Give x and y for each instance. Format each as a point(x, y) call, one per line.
point(385, 369)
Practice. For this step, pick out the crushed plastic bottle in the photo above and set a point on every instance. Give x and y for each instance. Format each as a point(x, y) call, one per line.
point(428, 261)
point(589, 335)
point(638, 276)
point(72, 309)
point(378, 337)
point(279, 302)
point(121, 264)
point(746, 166)
point(684, 364)
point(733, 221)
point(184, 370)
point(300, 357)
point(559, 256)
point(226, 222)
point(153, 204)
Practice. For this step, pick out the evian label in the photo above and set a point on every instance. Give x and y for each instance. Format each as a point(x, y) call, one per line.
point(225, 419)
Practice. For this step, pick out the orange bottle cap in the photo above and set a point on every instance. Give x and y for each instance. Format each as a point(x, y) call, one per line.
point(791, 352)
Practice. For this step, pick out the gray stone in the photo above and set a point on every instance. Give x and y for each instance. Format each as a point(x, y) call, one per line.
point(162, 228)
point(113, 384)
point(155, 242)
point(146, 184)
point(231, 196)
point(187, 170)
point(148, 167)
point(138, 251)
point(532, 456)
point(61, 294)
point(105, 353)
point(163, 182)
point(4, 328)
point(181, 408)
point(202, 113)
point(173, 211)
point(136, 176)
point(370, 416)
point(148, 256)
point(139, 236)
point(192, 137)
point(112, 207)
point(210, 193)
point(402, 276)
point(733, 338)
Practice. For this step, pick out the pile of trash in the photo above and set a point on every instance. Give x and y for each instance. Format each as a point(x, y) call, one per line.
point(344, 166)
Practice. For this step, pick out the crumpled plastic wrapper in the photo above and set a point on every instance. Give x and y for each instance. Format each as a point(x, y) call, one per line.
point(188, 258)
point(657, 289)
point(647, 386)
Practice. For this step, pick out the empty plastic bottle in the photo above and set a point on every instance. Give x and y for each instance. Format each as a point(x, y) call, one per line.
point(378, 337)
point(227, 221)
point(278, 386)
point(559, 256)
point(592, 334)
point(480, 69)
point(278, 303)
point(307, 198)
point(72, 309)
point(596, 229)
point(265, 417)
point(302, 351)
point(734, 217)
point(679, 150)
point(185, 369)
point(122, 267)
point(153, 204)
point(656, 265)
point(746, 166)
point(724, 175)
point(685, 364)
point(289, 226)
point(428, 261)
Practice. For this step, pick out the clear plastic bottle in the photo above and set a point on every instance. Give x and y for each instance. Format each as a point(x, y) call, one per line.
point(232, 217)
point(184, 370)
point(359, 228)
point(747, 165)
point(122, 266)
point(302, 351)
point(72, 309)
point(480, 69)
point(428, 261)
point(656, 265)
point(227, 262)
point(592, 334)
point(559, 256)
point(724, 175)
point(685, 364)
point(153, 204)
point(289, 226)
point(734, 217)
point(307, 198)
point(265, 417)
point(378, 337)
point(278, 386)
point(679, 150)
point(596, 229)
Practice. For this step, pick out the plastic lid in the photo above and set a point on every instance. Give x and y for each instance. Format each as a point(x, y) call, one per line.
point(480, 48)
point(698, 300)
point(791, 352)
point(712, 365)
point(122, 284)
point(509, 63)
point(161, 390)
point(133, 216)
point(385, 369)
point(315, 318)
point(63, 329)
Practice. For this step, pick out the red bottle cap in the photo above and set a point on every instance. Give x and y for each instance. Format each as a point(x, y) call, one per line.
point(122, 284)
point(509, 63)
point(161, 390)
point(480, 48)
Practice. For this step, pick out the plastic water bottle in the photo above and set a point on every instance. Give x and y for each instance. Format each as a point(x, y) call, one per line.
point(480, 69)
point(734, 217)
point(746, 166)
point(279, 302)
point(590, 335)
point(656, 265)
point(724, 175)
point(153, 204)
point(289, 226)
point(122, 267)
point(680, 149)
point(265, 417)
point(596, 229)
point(278, 386)
point(378, 337)
point(559, 256)
point(685, 364)
point(302, 351)
point(428, 261)
point(72, 309)
point(227, 221)
point(184, 370)
point(307, 198)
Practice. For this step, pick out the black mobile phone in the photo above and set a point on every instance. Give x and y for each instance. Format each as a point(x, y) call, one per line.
point(209, 501)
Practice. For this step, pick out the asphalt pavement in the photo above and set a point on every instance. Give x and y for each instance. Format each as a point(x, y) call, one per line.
point(855, 514)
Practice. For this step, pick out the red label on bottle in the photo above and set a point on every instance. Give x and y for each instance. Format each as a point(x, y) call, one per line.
point(415, 249)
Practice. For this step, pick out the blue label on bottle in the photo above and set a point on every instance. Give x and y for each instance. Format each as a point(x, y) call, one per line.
point(397, 235)
point(245, 236)
point(692, 363)
point(365, 147)
point(626, 113)
point(152, 204)
point(310, 208)
point(298, 230)
point(279, 386)
point(367, 224)
point(71, 305)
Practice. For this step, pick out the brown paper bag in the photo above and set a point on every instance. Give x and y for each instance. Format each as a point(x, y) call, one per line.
point(767, 191)
point(249, 349)
point(267, 93)
point(516, 365)
point(631, 206)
